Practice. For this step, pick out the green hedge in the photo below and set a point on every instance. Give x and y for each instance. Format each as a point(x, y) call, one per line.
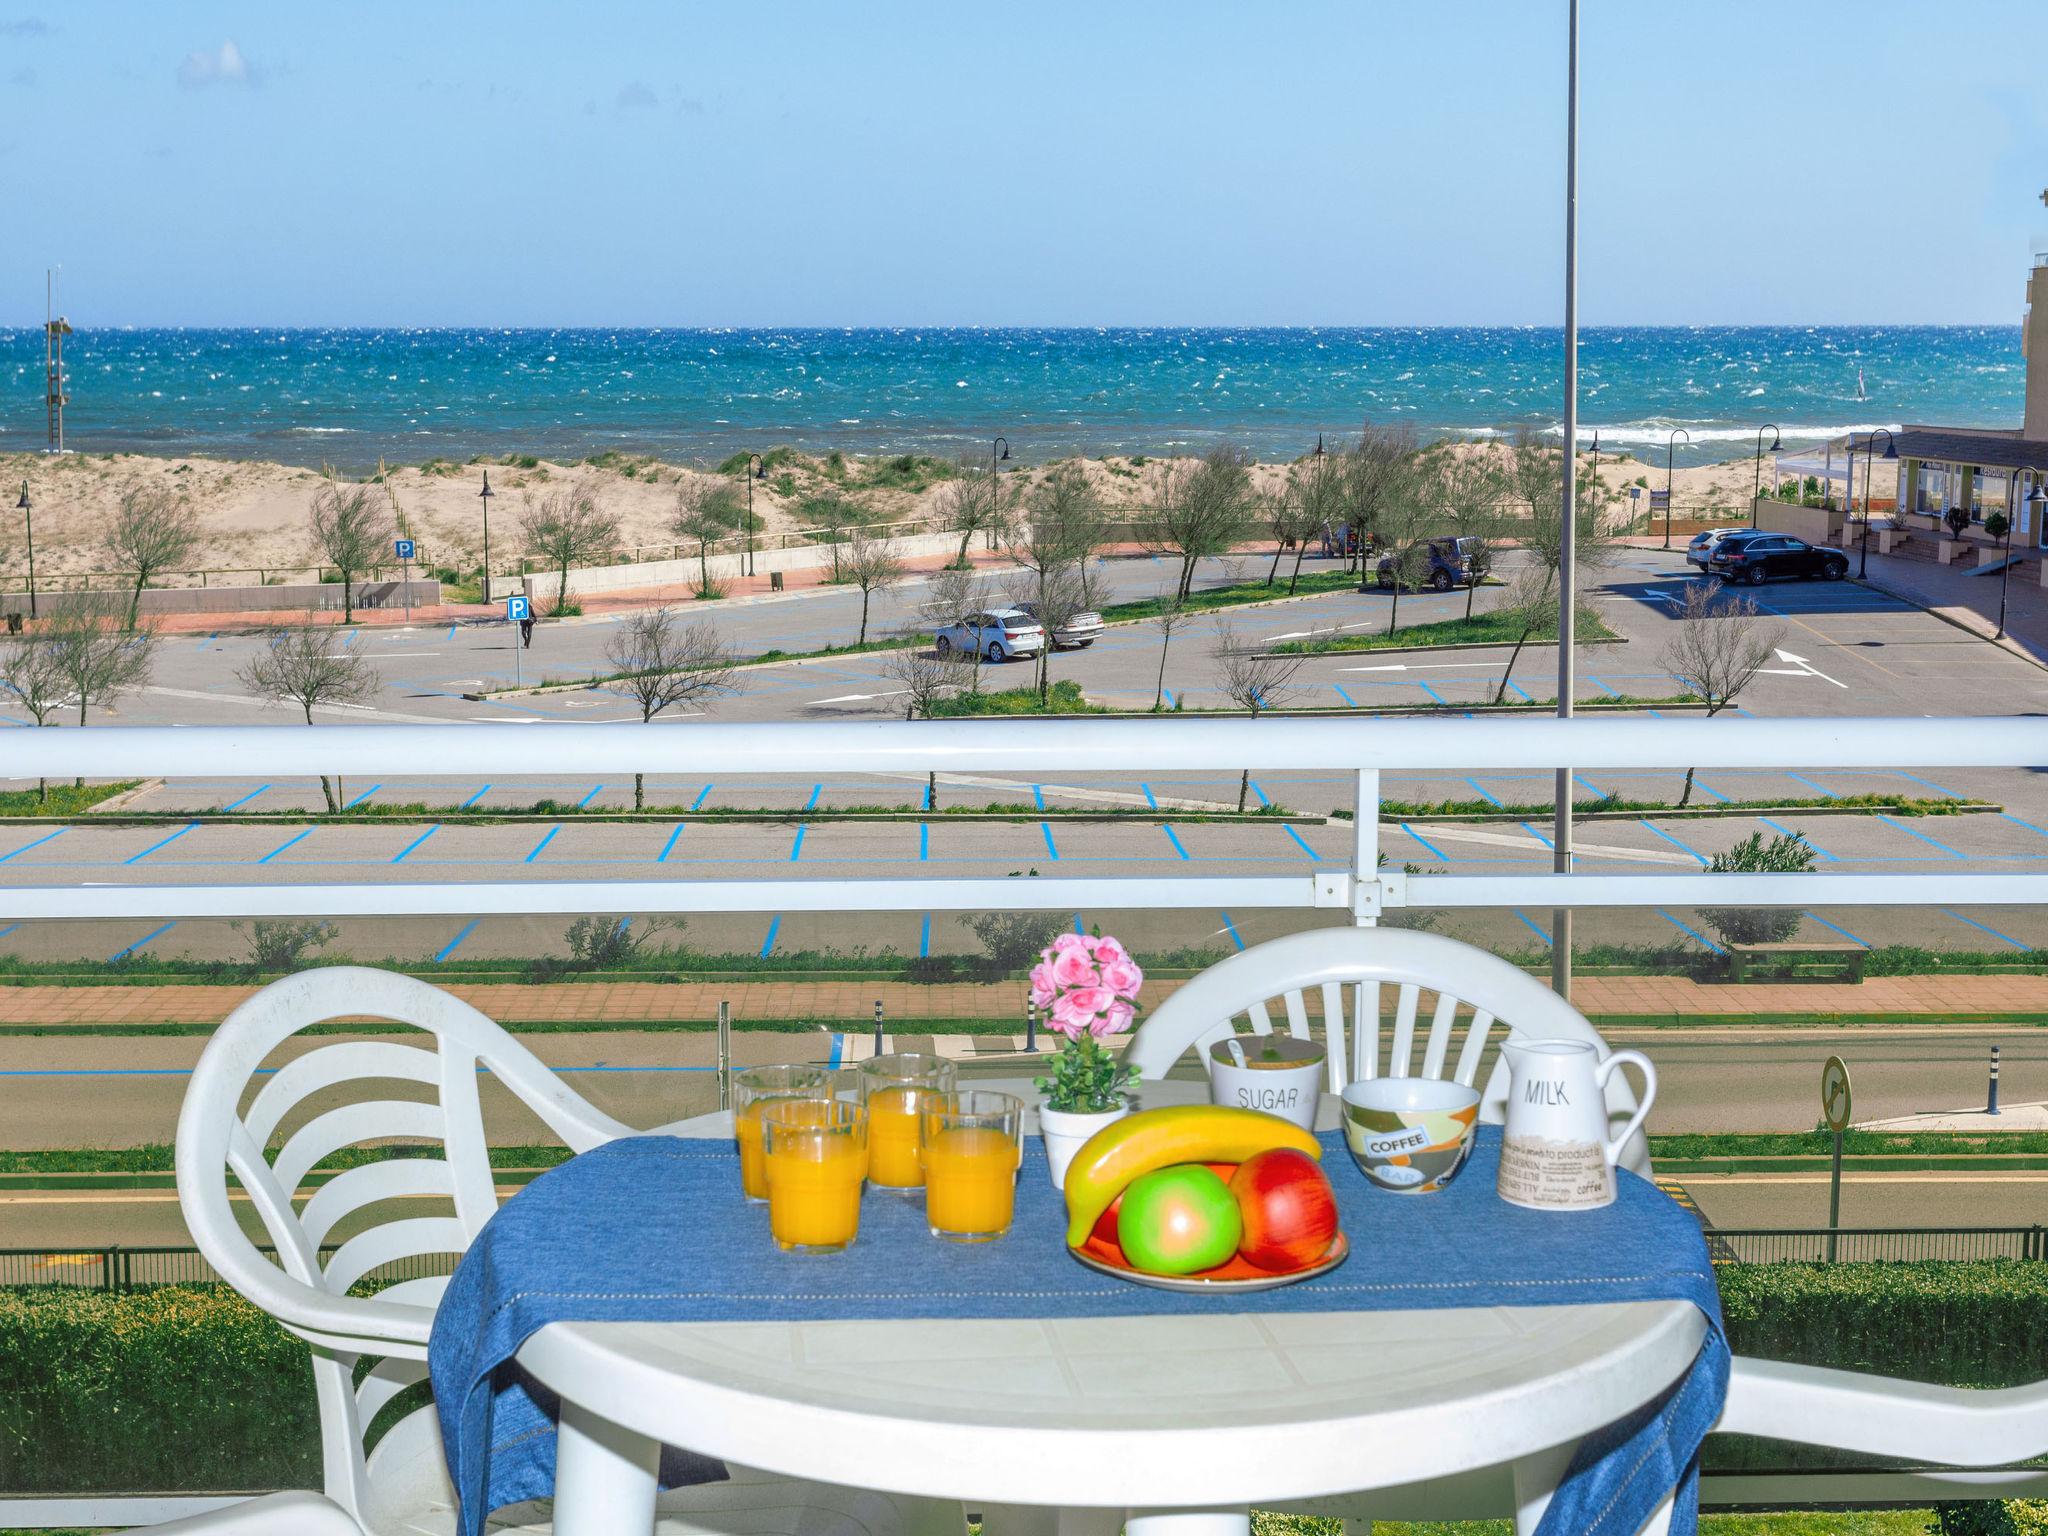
point(190, 1387)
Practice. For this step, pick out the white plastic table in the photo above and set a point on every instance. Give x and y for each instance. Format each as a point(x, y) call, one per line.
point(1177, 1424)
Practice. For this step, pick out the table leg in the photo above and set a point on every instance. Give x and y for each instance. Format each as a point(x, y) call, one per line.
point(604, 1477)
point(1048, 1520)
point(1536, 1479)
point(1233, 1520)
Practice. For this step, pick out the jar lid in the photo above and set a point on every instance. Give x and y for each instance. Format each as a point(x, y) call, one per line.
point(1268, 1052)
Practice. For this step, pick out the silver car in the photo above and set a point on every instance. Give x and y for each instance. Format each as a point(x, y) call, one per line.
point(1000, 634)
point(1701, 549)
point(1083, 629)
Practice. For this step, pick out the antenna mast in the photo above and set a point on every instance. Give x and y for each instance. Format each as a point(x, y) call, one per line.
point(55, 329)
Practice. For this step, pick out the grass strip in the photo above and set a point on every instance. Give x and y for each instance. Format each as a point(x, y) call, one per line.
point(1498, 627)
point(61, 799)
point(1615, 804)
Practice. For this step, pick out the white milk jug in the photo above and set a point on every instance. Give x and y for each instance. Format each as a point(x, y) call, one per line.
point(1555, 1152)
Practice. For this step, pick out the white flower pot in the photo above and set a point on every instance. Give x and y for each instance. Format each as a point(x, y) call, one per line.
point(1065, 1130)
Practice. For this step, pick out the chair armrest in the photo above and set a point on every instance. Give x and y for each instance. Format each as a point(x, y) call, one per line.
point(1880, 1416)
point(274, 1514)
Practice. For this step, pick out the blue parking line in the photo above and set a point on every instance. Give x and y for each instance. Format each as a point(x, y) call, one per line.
point(122, 954)
point(1700, 783)
point(1526, 700)
point(1820, 789)
point(1344, 696)
point(1038, 796)
point(768, 944)
point(1601, 682)
point(280, 848)
point(924, 939)
point(8, 929)
point(662, 857)
point(2007, 815)
point(1303, 846)
point(924, 841)
point(1931, 842)
point(24, 848)
point(1984, 928)
point(1051, 849)
point(1431, 691)
point(702, 795)
point(1546, 842)
point(399, 858)
point(1674, 842)
point(1149, 799)
point(152, 848)
point(812, 803)
point(1432, 847)
point(1170, 700)
point(796, 848)
point(1784, 831)
point(1168, 830)
point(450, 947)
point(248, 797)
point(1231, 928)
point(1837, 928)
point(1591, 788)
point(472, 800)
point(537, 847)
point(359, 799)
point(1947, 794)
point(348, 640)
point(1691, 933)
point(1485, 793)
point(451, 632)
point(595, 791)
point(209, 640)
point(1529, 923)
point(1260, 792)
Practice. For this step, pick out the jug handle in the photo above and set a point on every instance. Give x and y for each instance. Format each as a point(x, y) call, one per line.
point(1607, 1069)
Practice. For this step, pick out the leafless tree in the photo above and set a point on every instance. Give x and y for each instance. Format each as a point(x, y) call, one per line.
point(973, 503)
point(352, 525)
point(829, 514)
point(873, 564)
point(1253, 680)
point(1531, 607)
point(1205, 508)
point(1721, 645)
point(305, 667)
point(1533, 473)
point(1464, 491)
point(1051, 539)
point(152, 532)
point(664, 663)
point(566, 526)
point(1377, 480)
point(31, 670)
point(952, 597)
point(927, 678)
point(1170, 617)
point(706, 511)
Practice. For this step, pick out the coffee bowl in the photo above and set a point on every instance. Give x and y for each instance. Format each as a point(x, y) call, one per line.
point(1410, 1135)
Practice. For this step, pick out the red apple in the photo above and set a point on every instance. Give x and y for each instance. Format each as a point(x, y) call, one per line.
point(1289, 1209)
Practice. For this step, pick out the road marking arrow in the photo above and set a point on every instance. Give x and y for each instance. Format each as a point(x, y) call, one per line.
point(1811, 669)
point(855, 698)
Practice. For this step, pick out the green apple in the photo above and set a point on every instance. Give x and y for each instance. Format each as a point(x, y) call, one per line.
point(1175, 1221)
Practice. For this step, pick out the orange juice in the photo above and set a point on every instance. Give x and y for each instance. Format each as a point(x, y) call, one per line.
point(892, 1139)
point(746, 1130)
point(814, 1190)
point(970, 1180)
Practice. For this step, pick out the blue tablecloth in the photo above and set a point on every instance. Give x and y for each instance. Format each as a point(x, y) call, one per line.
point(654, 1229)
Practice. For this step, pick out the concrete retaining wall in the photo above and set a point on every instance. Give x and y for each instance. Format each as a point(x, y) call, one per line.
point(541, 586)
point(296, 597)
point(1816, 525)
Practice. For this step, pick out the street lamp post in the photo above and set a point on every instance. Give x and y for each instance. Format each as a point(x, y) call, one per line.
point(1756, 481)
point(29, 522)
point(2037, 503)
point(485, 496)
point(756, 470)
point(1670, 445)
point(995, 500)
point(1567, 562)
point(1869, 443)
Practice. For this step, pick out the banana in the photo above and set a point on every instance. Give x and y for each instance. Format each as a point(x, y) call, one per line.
point(1159, 1138)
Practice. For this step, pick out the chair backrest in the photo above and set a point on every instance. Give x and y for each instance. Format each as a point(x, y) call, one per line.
point(1346, 970)
point(313, 1104)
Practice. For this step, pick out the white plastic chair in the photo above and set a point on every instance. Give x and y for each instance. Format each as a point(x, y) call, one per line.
point(340, 1094)
point(275, 1514)
point(1348, 968)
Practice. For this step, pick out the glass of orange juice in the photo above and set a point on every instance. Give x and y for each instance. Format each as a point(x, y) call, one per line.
point(894, 1087)
point(752, 1089)
point(971, 1141)
point(816, 1155)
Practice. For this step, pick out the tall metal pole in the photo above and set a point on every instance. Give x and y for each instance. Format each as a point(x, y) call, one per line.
point(754, 471)
point(485, 493)
point(1568, 532)
point(29, 523)
point(1670, 446)
point(1756, 479)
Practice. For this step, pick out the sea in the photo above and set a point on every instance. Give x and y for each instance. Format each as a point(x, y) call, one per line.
point(354, 398)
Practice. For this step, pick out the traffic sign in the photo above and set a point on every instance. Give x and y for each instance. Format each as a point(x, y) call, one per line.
point(403, 548)
point(517, 608)
point(1834, 1094)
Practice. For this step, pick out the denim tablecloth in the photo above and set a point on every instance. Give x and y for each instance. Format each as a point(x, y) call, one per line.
point(653, 1229)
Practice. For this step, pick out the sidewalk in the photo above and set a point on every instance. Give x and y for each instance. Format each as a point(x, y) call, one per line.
point(758, 1004)
point(1969, 602)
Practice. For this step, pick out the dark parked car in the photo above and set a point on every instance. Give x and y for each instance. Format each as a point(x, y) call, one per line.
point(1758, 557)
point(1443, 564)
point(1701, 549)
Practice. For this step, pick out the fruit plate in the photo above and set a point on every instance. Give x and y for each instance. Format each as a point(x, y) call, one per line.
point(1235, 1278)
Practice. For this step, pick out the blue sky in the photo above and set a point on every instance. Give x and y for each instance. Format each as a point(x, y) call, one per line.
point(791, 163)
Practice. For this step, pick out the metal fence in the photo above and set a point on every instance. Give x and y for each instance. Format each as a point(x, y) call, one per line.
point(1873, 1245)
point(118, 1268)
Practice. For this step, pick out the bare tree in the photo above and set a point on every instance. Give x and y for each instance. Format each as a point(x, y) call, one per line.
point(928, 679)
point(1531, 606)
point(1376, 478)
point(31, 670)
point(663, 663)
point(828, 514)
point(1721, 645)
point(1169, 618)
point(303, 667)
point(152, 532)
point(973, 503)
point(954, 596)
point(1205, 508)
point(706, 511)
point(1252, 680)
point(874, 565)
point(566, 526)
point(1051, 539)
point(352, 525)
point(1464, 490)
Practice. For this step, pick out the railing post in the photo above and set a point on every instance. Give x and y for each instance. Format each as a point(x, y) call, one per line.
point(1991, 1102)
point(1365, 849)
point(878, 1026)
point(110, 1261)
point(724, 1054)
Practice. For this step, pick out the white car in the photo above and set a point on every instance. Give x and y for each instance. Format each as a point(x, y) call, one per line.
point(1701, 549)
point(1082, 629)
point(1001, 634)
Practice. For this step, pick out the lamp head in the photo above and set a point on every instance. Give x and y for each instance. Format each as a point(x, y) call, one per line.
point(486, 491)
point(760, 469)
point(23, 503)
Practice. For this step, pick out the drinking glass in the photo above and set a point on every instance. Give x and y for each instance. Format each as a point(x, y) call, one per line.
point(894, 1087)
point(816, 1155)
point(752, 1089)
point(971, 1141)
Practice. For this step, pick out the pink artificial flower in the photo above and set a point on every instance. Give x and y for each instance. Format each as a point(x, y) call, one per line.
point(1122, 977)
point(1107, 950)
point(1114, 1021)
point(1065, 942)
point(1073, 969)
point(1068, 1018)
point(1090, 1001)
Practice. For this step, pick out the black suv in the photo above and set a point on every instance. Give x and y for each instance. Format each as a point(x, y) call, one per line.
point(1444, 564)
point(1755, 557)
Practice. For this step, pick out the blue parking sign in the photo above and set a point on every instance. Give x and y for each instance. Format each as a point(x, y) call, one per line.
point(403, 548)
point(516, 609)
